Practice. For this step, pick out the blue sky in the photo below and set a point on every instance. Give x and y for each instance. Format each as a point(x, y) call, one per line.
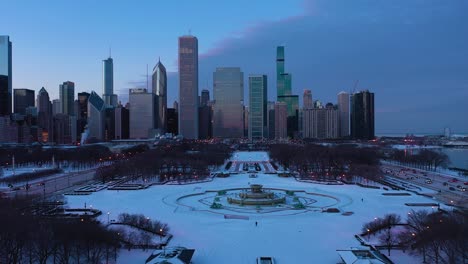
point(412, 54)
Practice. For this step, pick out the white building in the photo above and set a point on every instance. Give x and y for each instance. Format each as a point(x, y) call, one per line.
point(320, 123)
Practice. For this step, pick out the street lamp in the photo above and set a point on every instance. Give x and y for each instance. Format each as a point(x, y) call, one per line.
point(108, 214)
point(161, 234)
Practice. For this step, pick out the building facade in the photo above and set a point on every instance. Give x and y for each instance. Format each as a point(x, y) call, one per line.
point(258, 107)
point(281, 118)
point(159, 89)
point(320, 123)
point(307, 99)
point(228, 95)
point(23, 98)
point(188, 87)
point(96, 115)
point(110, 99)
point(141, 113)
point(362, 115)
point(67, 97)
point(5, 75)
point(122, 117)
point(343, 107)
point(44, 115)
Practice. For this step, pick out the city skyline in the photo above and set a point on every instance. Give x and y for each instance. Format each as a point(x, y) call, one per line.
point(408, 92)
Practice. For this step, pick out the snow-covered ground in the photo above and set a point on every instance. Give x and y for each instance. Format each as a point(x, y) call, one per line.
point(306, 237)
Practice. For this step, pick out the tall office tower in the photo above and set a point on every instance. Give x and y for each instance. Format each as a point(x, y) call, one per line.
point(188, 87)
point(246, 121)
point(228, 94)
point(44, 114)
point(281, 117)
point(271, 120)
point(343, 107)
point(82, 112)
point(284, 93)
point(109, 123)
point(205, 97)
point(362, 115)
point(159, 85)
point(321, 123)
point(67, 97)
point(172, 123)
point(141, 113)
point(205, 127)
point(283, 79)
point(258, 107)
point(307, 98)
point(62, 133)
point(23, 98)
point(122, 117)
point(56, 107)
point(96, 115)
point(110, 99)
point(5, 75)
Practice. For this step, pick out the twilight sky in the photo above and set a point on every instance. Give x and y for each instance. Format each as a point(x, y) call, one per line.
point(412, 54)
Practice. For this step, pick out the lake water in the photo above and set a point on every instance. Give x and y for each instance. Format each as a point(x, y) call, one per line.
point(458, 157)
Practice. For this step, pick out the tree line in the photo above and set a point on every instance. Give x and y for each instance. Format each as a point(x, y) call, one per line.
point(29, 238)
point(171, 162)
point(425, 159)
point(328, 161)
point(439, 237)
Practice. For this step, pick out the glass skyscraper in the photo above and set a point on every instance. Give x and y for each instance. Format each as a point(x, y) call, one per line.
point(159, 89)
point(188, 87)
point(67, 97)
point(257, 107)
point(283, 79)
point(23, 98)
point(228, 94)
point(362, 115)
point(5, 75)
point(110, 99)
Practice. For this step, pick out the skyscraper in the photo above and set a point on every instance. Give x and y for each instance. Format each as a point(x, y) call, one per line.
point(23, 98)
point(159, 85)
point(56, 107)
point(205, 97)
point(343, 108)
point(67, 97)
point(44, 114)
point(110, 99)
point(271, 119)
point(283, 80)
point(5, 75)
point(258, 107)
point(96, 115)
point(362, 115)
point(122, 116)
point(228, 94)
point(321, 123)
point(281, 115)
point(141, 113)
point(307, 99)
point(188, 87)
point(284, 93)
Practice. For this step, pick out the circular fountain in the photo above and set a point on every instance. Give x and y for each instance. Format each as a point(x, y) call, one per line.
point(256, 195)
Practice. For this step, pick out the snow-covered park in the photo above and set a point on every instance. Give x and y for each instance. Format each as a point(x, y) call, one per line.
point(293, 236)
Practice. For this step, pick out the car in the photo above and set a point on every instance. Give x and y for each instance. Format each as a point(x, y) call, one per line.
point(451, 188)
point(466, 183)
point(445, 184)
point(428, 181)
point(454, 180)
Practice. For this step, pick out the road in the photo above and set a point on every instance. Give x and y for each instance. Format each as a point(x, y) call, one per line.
point(60, 183)
point(448, 190)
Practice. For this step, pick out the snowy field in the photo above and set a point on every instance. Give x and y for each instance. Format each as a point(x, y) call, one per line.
point(308, 236)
